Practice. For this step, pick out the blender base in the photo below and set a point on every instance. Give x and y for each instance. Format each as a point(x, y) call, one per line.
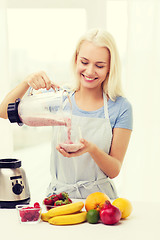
point(12, 204)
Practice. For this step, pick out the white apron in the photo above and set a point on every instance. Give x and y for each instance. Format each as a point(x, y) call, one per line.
point(81, 176)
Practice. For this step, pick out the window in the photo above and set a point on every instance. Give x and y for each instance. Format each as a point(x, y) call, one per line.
point(43, 39)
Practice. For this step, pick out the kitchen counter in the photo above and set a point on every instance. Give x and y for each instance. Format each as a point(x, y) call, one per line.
point(143, 223)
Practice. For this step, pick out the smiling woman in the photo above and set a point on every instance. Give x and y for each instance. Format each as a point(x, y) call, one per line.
point(106, 123)
point(85, 63)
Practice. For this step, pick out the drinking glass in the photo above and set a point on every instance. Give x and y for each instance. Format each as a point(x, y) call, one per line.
point(69, 138)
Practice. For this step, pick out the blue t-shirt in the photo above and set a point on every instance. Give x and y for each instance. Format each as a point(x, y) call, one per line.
point(120, 112)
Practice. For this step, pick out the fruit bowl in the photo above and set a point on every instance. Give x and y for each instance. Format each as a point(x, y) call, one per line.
point(56, 200)
point(28, 214)
point(48, 207)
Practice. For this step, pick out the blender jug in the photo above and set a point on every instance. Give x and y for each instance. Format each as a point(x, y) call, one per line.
point(42, 109)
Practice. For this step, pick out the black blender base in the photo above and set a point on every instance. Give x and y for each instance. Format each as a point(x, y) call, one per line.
point(12, 204)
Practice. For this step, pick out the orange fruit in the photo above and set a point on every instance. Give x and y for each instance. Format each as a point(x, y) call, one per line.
point(124, 206)
point(96, 201)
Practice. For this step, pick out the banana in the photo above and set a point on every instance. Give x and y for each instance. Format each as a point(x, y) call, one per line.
point(44, 217)
point(68, 219)
point(62, 210)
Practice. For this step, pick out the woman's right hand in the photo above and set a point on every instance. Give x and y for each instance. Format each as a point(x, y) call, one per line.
point(40, 80)
point(35, 80)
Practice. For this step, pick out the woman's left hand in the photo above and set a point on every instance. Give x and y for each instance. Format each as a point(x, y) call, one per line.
point(88, 147)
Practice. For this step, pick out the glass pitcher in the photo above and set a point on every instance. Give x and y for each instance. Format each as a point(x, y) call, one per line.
point(42, 109)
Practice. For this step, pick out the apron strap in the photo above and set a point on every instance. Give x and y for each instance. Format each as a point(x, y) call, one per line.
point(105, 106)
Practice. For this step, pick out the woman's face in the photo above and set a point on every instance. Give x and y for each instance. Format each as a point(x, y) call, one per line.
point(93, 63)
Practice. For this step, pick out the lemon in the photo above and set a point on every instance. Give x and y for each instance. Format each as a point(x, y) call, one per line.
point(124, 206)
point(93, 216)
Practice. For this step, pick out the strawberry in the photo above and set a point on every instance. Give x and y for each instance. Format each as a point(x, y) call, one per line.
point(29, 215)
point(54, 199)
point(23, 219)
point(36, 205)
point(59, 203)
point(62, 195)
point(53, 196)
point(36, 216)
point(62, 202)
point(51, 199)
point(22, 213)
point(48, 201)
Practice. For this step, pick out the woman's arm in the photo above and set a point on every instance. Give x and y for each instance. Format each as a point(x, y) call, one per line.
point(110, 163)
point(35, 80)
point(17, 92)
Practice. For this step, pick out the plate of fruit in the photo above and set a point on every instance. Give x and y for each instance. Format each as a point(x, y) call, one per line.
point(56, 200)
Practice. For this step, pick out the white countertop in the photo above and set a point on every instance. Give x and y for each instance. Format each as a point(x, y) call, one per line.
point(143, 223)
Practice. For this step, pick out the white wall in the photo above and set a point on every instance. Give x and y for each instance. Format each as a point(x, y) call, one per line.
point(6, 144)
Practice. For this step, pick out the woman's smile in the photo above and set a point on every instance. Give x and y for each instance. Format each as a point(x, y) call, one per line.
point(89, 79)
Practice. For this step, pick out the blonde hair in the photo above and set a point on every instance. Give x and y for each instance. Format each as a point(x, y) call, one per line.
point(112, 84)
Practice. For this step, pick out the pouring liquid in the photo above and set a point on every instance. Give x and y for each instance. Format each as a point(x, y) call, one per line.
point(69, 145)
